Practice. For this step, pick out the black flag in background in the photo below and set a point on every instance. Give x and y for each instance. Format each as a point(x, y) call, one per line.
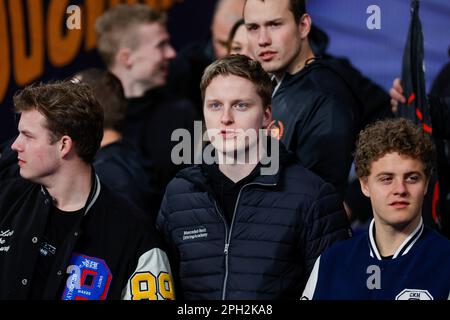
point(416, 106)
point(413, 76)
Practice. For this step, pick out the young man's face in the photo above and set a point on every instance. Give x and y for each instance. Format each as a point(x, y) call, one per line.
point(232, 108)
point(273, 35)
point(37, 157)
point(396, 187)
point(149, 62)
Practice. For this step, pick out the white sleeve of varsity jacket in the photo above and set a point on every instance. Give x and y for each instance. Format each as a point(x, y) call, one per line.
point(310, 288)
point(152, 279)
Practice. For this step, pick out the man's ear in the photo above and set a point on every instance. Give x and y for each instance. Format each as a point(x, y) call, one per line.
point(305, 25)
point(122, 58)
point(267, 116)
point(65, 146)
point(364, 187)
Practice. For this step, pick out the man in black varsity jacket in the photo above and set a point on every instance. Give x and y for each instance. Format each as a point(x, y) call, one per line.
point(64, 235)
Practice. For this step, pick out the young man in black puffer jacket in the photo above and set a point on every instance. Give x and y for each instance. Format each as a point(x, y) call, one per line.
point(240, 229)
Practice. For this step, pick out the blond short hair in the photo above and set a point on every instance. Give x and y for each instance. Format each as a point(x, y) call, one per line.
point(117, 27)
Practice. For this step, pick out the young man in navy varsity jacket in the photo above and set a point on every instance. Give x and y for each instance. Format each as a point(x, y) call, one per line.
point(241, 229)
point(398, 257)
point(63, 234)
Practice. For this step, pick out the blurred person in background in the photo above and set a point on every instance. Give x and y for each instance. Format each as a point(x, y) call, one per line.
point(187, 68)
point(117, 162)
point(238, 41)
point(135, 46)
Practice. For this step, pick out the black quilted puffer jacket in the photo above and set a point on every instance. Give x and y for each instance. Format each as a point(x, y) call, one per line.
point(280, 225)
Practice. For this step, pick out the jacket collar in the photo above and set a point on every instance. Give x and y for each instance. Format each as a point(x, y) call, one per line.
point(404, 248)
point(93, 194)
point(197, 175)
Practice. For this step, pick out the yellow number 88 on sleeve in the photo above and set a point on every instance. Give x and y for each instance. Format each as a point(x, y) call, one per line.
point(144, 285)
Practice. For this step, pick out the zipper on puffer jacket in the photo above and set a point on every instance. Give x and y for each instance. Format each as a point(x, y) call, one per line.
point(225, 251)
point(228, 235)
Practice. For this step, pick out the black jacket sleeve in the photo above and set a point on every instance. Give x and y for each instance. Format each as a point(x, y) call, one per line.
point(325, 142)
point(326, 223)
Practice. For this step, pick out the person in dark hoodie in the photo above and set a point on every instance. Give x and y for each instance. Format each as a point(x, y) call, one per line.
point(117, 162)
point(135, 46)
point(316, 112)
point(238, 228)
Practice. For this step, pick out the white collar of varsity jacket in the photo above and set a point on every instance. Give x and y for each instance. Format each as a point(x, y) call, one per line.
point(403, 249)
point(93, 195)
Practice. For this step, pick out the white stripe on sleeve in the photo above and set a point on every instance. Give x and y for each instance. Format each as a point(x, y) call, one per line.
point(310, 288)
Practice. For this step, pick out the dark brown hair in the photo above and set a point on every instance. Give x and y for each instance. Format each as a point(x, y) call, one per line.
point(233, 31)
point(393, 135)
point(69, 109)
point(297, 7)
point(109, 93)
